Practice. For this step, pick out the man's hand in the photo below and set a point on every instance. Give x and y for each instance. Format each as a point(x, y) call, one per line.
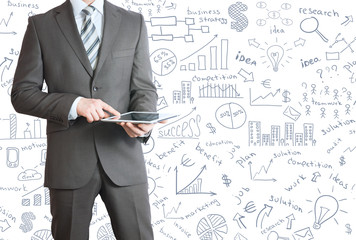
point(137, 130)
point(94, 109)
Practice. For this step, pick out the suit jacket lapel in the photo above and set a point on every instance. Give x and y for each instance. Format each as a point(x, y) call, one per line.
point(112, 19)
point(66, 22)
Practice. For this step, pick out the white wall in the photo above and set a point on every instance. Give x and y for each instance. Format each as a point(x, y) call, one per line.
point(209, 175)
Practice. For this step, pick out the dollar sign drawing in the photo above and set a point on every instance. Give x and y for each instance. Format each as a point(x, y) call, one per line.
point(26, 219)
point(285, 95)
point(226, 180)
point(349, 230)
point(342, 161)
point(235, 12)
point(212, 129)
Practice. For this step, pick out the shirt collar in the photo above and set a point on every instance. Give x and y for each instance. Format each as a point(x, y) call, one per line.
point(78, 6)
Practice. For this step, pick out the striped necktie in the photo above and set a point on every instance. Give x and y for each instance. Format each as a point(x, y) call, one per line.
point(90, 37)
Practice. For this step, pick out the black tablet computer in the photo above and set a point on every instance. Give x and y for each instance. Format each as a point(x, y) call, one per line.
point(140, 117)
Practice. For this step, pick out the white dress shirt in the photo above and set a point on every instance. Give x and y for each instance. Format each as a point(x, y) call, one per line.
point(98, 21)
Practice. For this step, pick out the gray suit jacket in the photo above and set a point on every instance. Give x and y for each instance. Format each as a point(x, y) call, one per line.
point(52, 50)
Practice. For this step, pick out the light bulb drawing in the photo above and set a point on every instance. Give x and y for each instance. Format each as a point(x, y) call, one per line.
point(325, 207)
point(275, 54)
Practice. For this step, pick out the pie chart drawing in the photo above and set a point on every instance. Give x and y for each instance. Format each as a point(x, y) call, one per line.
point(212, 227)
point(43, 234)
point(105, 232)
point(163, 61)
point(231, 115)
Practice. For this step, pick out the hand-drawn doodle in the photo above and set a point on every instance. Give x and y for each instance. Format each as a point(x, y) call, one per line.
point(42, 234)
point(171, 23)
point(239, 236)
point(291, 113)
point(269, 99)
point(325, 207)
point(349, 230)
point(212, 227)
point(4, 225)
point(303, 234)
point(194, 187)
point(274, 14)
point(290, 218)
point(310, 25)
point(238, 218)
point(235, 12)
point(273, 235)
point(12, 157)
point(261, 174)
point(231, 115)
point(184, 95)
point(216, 62)
point(266, 211)
point(28, 175)
point(26, 218)
point(256, 138)
point(163, 61)
point(105, 232)
point(167, 215)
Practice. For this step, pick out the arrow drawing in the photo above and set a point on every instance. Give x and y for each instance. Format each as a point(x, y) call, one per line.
point(172, 6)
point(315, 176)
point(4, 225)
point(13, 33)
point(193, 109)
point(238, 218)
point(290, 219)
point(266, 211)
point(299, 42)
point(348, 20)
point(248, 77)
point(5, 65)
point(252, 42)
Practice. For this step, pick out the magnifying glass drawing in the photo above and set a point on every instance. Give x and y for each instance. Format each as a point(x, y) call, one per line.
point(310, 25)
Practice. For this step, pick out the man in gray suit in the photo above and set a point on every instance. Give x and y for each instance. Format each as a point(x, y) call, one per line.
point(86, 157)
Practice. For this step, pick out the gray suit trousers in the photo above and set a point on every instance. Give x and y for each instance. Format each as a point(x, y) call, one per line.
point(128, 208)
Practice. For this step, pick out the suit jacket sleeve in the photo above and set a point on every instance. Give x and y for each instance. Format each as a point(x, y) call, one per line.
point(27, 96)
point(143, 96)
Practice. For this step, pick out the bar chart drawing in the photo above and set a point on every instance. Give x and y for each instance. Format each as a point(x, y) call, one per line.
point(32, 130)
point(219, 91)
point(37, 199)
point(214, 59)
point(194, 187)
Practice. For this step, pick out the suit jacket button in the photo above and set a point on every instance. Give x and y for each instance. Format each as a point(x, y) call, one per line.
point(95, 89)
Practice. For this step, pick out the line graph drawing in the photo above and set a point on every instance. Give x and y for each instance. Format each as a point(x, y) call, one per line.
point(350, 149)
point(266, 100)
point(5, 22)
point(261, 174)
point(219, 91)
point(168, 215)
